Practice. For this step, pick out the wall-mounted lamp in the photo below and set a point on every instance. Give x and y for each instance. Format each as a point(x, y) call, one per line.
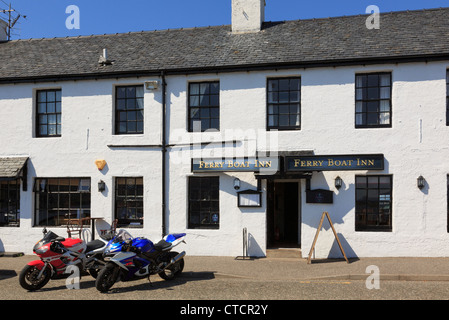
point(237, 184)
point(338, 183)
point(420, 182)
point(101, 186)
point(152, 85)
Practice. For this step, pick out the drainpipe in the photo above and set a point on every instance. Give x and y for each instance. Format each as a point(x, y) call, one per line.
point(164, 153)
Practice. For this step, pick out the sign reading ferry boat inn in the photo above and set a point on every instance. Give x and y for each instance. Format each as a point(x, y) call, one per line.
point(335, 163)
point(235, 165)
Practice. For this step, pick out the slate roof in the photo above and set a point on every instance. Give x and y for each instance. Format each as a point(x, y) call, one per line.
point(339, 40)
point(12, 167)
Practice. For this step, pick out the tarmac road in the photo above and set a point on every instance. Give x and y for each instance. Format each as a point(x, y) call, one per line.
point(222, 278)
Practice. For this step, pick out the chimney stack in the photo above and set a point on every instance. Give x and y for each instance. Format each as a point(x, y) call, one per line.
point(3, 30)
point(247, 15)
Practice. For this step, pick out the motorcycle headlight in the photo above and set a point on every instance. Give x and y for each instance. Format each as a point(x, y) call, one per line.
point(41, 250)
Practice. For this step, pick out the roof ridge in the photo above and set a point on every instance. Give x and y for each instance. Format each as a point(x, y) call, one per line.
point(223, 26)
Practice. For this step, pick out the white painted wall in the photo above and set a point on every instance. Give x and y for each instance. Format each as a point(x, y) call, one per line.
point(419, 96)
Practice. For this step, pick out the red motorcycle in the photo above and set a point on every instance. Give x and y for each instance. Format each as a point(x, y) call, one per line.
point(56, 254)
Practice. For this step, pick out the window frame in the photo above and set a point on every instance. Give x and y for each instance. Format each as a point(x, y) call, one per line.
point(190, 204)
point(38, 114)
point(299, 114)
point(378, 125)
point(129, 222)
point(117, 111)
point(378, 228)
point(16, 202)
point(190, 126)
point(82, 211)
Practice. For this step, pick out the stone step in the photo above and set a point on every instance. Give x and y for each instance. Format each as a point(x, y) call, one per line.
point(284, 253)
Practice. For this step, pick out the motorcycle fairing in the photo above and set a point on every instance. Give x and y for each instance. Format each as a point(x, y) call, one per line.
point(37, 263)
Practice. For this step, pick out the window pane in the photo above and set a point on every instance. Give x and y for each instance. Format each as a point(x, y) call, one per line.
point(360, 81)
point(215, 112)
point(214, 88)
point(194, 113)
point(375, 91)
point(42, 108)
point(284, 120)
point(48, 112)
point(284, 97)
point(121, 93)
point(204, 95)
point(295, 84)
point(385, 93)
point(385, 80)
point(215, 124)
point(131, 100)
point(273, 97)
point(373, 80)
point(52, 119)
point(384, 118)
point(43, 119)
point(139, 103)
point(284, 109)
point(281, 93)
point(139, 115)
point(130, 92)
point(384, 105)
point(204, 101)
point(42, 96)
point(63, 198)
point(203, 202)
point(194, 101)
point(132, 115)
point(273, 85)
point(139, 92)
point(51, 96)
point(214, 100)
point(204, 88)
point(373, 203)
point(273, 109)
point(194, 88)
point(130, 104)
point(51, 129)
point(129, 201)
point(284, 85)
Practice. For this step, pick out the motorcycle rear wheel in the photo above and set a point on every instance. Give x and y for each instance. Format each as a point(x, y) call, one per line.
point(28, 278)
point(174, 270)
point(107, 277)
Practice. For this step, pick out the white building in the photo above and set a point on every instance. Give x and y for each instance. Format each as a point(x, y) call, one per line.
point(316, 99)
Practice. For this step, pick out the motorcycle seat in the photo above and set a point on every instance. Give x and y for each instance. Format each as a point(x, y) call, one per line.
point(96, 244)
point(161, 245)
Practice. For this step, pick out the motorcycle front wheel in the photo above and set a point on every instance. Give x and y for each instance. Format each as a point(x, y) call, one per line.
point(107, 277)
point(174, 270)
point(28, 278)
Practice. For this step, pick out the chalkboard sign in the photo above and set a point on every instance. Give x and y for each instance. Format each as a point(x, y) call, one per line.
point(319, 196)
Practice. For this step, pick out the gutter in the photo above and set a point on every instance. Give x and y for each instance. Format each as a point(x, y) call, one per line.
point(232, 68)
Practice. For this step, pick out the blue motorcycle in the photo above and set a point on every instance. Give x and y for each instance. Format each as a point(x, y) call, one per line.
point(131, 258)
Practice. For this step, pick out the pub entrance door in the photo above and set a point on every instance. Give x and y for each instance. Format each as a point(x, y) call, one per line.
point(283, 214)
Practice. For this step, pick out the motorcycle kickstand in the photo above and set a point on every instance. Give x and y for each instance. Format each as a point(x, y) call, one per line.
point(149, 280)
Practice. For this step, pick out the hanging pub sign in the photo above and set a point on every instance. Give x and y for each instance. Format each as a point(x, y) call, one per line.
point(335, 163)
point(236, 165)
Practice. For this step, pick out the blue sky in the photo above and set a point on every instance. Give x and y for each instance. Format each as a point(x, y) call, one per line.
point(47, 18)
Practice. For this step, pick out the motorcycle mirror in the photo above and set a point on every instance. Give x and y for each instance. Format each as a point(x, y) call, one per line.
point(44, 231)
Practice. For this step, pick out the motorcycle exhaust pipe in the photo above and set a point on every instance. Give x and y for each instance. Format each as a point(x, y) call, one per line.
point(176, 259)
